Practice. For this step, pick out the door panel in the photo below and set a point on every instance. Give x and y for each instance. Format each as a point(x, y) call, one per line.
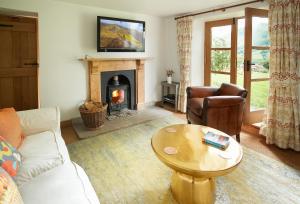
point(237, 51)
point(220, 52)
point(256, 63)
point(18, 63)
point(6, 57)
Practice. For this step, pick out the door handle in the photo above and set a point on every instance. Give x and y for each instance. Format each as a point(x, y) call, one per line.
point(247, 65)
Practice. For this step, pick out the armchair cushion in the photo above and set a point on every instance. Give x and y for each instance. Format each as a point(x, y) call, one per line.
point(231, 90)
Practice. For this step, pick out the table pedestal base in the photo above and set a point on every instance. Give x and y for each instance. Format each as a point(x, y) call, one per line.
point(191, 190)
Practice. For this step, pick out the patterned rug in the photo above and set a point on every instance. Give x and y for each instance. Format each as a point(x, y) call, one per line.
point(123, 169)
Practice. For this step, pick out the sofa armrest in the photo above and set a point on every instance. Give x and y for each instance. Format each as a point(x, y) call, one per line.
point(40, 120)
point(200, 91)
point(222, 101)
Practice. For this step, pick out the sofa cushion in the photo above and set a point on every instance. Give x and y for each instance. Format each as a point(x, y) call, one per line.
point(39, 120)
point(41, 152)
point(10, 158)
point(9, 192)
point(65, 184)
point(196, 105)
point(10, 126)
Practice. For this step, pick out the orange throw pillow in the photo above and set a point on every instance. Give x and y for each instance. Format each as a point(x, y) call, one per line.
point(10, 127)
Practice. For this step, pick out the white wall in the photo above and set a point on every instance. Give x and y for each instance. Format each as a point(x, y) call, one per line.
point(67, 32)
point(197, 63)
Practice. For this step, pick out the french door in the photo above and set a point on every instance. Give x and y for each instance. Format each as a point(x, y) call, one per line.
point(237, 51)
point(256, 63)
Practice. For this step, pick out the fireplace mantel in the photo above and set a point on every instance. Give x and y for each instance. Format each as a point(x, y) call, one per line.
point(98, 65)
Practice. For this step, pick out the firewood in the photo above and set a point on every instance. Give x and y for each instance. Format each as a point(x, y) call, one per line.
point(92, 106)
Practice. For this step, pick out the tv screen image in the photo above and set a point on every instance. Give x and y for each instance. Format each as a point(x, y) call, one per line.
point(120, 35)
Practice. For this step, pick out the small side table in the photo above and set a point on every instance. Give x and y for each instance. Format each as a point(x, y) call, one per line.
point(170, 93)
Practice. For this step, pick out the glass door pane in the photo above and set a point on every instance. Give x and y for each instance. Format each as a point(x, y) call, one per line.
point(240, 51)
point(221, 36)
point(260, 32)
point(220, 55)
point(220, 60)
point(259, 95)
point(218, 79)
point(260, 64)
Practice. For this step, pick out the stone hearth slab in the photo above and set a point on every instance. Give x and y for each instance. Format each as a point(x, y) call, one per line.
point(142, 116)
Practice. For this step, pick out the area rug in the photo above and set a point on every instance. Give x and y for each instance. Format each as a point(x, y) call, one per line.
point(136, 117)
point(123, 169)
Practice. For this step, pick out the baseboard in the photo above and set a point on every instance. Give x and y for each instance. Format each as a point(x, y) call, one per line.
point(66, 123)
point(250, 129)
point(149, 104)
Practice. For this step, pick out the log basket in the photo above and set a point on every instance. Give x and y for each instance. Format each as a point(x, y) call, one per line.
point(93, 114)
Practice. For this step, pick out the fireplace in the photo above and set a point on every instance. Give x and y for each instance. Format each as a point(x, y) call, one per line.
point(118, 88)
point(97, 66)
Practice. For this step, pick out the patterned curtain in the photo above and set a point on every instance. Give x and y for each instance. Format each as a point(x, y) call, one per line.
point(282, 120)
point(184, 44)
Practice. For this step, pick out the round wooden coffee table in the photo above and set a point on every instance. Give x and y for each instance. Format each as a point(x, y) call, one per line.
point(195, 164)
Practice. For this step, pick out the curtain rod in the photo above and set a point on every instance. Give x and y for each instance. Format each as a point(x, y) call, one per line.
point(219, 9)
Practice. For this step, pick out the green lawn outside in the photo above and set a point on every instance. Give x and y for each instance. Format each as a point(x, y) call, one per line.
point(259, 90)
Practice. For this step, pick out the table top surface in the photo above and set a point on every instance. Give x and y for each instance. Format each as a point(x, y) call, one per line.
point(194, 157)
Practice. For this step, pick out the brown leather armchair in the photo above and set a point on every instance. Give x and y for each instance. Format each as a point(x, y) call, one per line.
point(220, 108)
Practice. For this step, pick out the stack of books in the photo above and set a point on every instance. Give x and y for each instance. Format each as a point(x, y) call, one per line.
point(216, 140)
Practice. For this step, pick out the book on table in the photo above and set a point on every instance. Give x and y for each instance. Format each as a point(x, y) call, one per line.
point(216, 140)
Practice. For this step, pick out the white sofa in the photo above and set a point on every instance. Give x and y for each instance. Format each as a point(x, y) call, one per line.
point(47, 175)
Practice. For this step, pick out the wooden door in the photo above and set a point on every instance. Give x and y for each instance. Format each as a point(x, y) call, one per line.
point(220, 52)
point(18, 63)
point(256, 63)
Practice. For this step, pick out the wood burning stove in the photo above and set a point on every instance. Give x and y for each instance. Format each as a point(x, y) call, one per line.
point(118, 95)
point(118, 90)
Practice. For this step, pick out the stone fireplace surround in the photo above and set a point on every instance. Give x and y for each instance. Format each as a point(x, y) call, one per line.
point(97, 66)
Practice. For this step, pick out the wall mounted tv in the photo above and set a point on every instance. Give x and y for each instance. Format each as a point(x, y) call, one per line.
point(120, 35)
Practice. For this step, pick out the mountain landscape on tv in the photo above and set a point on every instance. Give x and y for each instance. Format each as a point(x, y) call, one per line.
point(120, 35)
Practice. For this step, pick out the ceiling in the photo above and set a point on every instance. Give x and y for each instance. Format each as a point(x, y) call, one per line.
point(156, 7)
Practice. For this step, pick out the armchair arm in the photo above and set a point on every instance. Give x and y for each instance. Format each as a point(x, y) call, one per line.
point(39, 120)
point(200, 91)
point(222, 101)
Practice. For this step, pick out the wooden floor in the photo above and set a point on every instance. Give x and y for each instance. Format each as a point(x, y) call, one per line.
point(255, 142)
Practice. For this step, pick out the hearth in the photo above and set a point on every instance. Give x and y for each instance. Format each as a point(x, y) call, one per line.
point(118, 88)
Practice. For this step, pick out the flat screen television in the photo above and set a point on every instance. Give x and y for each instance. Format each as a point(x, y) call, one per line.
point(120, 35)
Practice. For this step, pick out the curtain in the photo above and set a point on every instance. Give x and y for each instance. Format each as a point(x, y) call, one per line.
point(184, 44)
point(282, 120)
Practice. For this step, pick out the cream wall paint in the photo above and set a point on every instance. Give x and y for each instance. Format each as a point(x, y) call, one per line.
point(67, 32)
point(197, 67)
